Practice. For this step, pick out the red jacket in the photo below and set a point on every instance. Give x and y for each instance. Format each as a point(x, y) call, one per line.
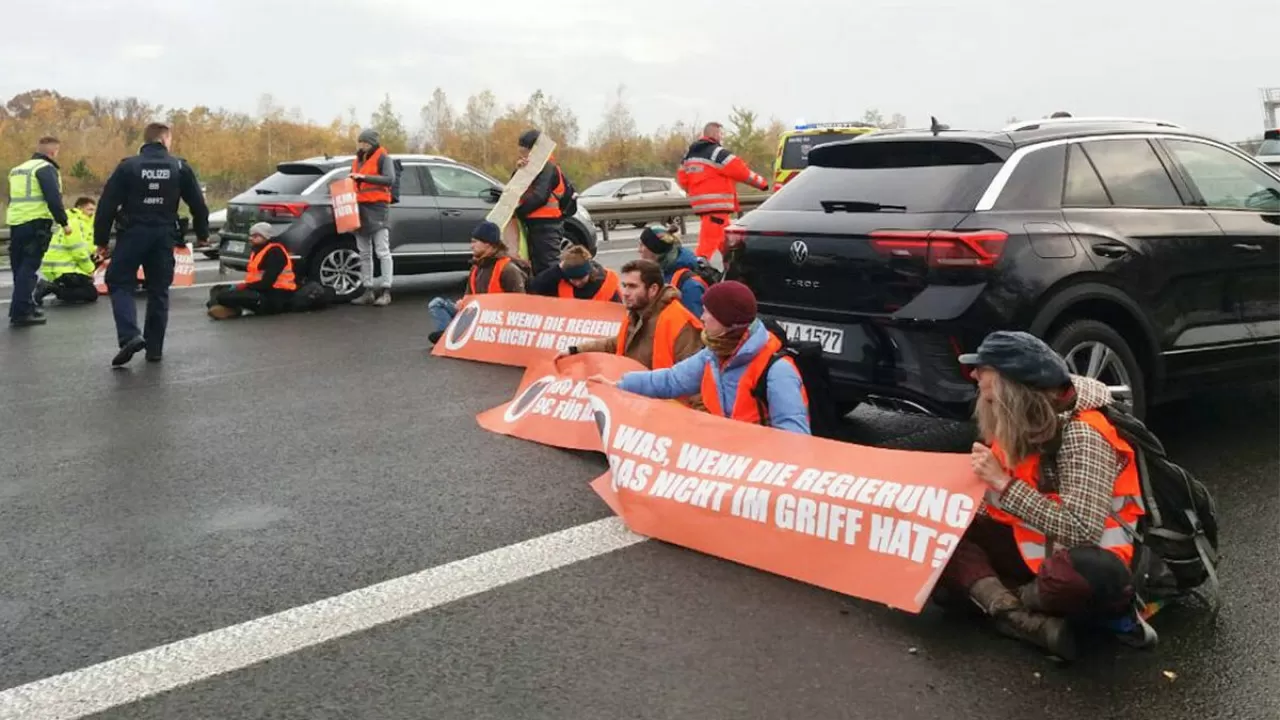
point(710, 174)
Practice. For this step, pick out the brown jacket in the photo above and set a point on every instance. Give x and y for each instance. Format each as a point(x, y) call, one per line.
point(640, 330)
point(512, 280)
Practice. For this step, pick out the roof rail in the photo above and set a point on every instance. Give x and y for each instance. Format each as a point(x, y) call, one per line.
point(1036, 124)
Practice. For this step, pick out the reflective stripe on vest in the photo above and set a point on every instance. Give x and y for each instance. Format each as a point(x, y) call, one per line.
point(550, 210)
point(26, 197)
point(69, 253)
point(1126, 501)
point(284, 281)
point(368, 192)
point(745, 406)
point(608, 287)
point(670, 322)
point(495, 280)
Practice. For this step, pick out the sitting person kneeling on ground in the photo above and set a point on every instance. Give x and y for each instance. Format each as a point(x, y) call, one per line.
point(67, 267)
point(658, 331)
point(1061, 481)
point(493, 270)
point(577, 276)
point(739, 354)
point(269, 283)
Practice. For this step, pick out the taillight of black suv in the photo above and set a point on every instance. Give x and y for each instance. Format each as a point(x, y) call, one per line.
point(1147, 255)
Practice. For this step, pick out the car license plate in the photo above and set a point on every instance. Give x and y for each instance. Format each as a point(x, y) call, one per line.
point(234, 246)
point(831, 339)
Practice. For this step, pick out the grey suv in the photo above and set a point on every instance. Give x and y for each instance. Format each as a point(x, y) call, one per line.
point(441, 201)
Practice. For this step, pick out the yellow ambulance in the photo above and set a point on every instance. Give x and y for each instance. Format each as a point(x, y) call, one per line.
point(795, 144)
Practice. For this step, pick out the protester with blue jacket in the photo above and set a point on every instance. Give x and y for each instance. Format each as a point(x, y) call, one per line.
point(737, 355)
point(662, 245)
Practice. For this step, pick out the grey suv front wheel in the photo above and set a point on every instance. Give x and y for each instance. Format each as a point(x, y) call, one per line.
point(337, 266)
point(1094, 349)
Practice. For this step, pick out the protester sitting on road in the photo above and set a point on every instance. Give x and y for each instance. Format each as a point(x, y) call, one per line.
point(740, 353)
point(67, 267)
point(658, 331)
point(493, 270)
point(663, 246)
point(269, 282)
point(577, 276)
point(1061, 481)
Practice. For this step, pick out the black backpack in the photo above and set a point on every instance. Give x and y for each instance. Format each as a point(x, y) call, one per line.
point(824, 418)
point(701, 270)
point(395, 184)
point(1176, 541)
point(569, 200)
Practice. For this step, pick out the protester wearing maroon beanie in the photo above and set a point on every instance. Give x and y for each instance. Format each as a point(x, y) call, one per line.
point(735, 340)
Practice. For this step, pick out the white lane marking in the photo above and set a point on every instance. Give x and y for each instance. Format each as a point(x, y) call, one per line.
point(615, 252)
point(133, 677)
point(193, 286)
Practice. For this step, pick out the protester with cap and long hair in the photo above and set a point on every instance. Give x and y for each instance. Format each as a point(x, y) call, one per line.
point(739, 353)
point(1050, 550)
point(578, 276)
point(540, 207)
point(374, 173)
point(493, 270)
point(663, 246)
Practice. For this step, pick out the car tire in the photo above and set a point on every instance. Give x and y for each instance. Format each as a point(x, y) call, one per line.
point(336, 265)
point(1093, 349)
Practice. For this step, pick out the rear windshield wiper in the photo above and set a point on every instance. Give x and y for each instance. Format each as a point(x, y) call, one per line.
point(856, 206)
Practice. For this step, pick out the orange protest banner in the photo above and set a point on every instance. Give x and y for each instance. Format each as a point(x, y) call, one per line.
point(346, 209)
point(184, 270)
point(552, 406)
point(517, 329)
point(869, 522)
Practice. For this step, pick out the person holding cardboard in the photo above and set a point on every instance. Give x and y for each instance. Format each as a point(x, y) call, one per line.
point(493, 270)
point(542, 207)
point(374, 173)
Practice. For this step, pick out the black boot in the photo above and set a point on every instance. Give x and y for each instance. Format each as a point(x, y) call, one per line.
point(1014, 620)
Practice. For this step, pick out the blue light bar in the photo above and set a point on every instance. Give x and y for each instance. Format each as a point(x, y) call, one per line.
point(815, 126)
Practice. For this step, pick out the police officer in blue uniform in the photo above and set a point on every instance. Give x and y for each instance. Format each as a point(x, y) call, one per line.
point(143, 193)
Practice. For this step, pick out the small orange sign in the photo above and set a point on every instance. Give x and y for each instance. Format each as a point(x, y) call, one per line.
point(346, 209)
point(184, 270)
point(553, 406)
point(869, 522)
point(521, 330)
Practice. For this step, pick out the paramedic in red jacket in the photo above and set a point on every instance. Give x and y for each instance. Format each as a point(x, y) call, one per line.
point(710, 175)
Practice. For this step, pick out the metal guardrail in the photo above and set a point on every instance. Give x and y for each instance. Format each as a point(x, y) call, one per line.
point(603, 214)
point(214, 227)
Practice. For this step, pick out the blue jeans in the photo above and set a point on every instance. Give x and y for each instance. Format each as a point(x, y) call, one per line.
point(442, 311)
point(27, 245)
point(150, 248)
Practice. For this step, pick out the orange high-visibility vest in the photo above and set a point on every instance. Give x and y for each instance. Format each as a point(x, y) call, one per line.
point(710, 174)
point(608, 287)
point(670, 322)
point(284, 281)
point(550, 210)
point(745, 406)
point(678, 277)
point(1126, 500)
point(368, 192)
point(495, 280)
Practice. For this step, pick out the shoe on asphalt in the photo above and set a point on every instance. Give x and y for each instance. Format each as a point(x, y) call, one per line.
point(222, 312)
point(28, 320)
point(157, 357)
point(127, 351)
point(1134, 630)
point(383, 299)
point(37, 311)
point(366, 299)
point(434, 337)
point(1014, 620)
point(44, 288)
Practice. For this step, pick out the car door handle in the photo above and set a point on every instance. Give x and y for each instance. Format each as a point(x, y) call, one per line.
point(1246, 247)
point(451, 213)
point(1110, 250)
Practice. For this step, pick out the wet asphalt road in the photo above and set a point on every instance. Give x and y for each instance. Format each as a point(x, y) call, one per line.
point(273, 462)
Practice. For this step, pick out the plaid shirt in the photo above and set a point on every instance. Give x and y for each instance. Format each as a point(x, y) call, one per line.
point(1085, 473)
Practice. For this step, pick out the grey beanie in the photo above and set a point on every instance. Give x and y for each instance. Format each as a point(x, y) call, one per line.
point(368, 135)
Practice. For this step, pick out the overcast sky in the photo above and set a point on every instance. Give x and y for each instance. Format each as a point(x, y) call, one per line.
point(973, 64)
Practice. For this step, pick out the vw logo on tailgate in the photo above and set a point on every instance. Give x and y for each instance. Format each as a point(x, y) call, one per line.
point(799, 252)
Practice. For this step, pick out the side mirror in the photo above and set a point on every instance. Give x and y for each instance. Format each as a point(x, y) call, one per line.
point(620, 194)
point(490, 195)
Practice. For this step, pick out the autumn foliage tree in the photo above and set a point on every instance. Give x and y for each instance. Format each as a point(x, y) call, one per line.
point(233, 150)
